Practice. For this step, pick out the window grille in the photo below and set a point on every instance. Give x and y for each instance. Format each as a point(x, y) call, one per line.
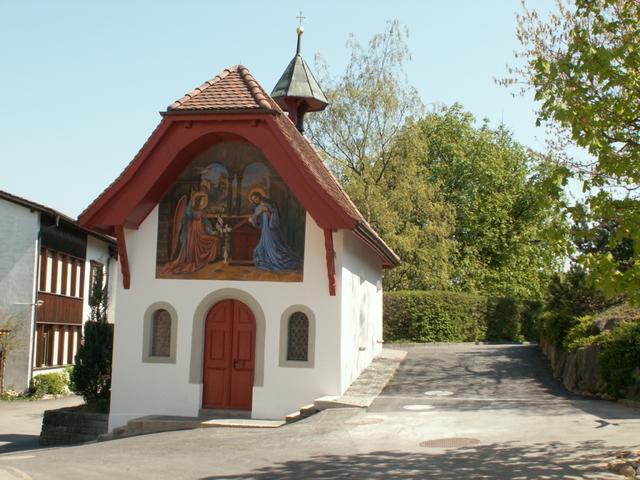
point(161, 334)
point(298, 337)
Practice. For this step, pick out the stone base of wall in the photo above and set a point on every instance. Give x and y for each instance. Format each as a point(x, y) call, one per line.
point(578, 371)
point(67, 426)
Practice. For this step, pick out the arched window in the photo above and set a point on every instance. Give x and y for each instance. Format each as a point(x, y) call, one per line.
point(298, 337)
point(161, 333)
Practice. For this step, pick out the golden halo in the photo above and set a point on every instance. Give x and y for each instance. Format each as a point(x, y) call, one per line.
point(199, 198)
point(259, 190)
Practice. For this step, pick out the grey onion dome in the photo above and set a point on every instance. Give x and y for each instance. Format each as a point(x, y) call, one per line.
point(297, 82)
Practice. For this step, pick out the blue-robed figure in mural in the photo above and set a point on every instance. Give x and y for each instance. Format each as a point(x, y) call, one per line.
point(271, 253)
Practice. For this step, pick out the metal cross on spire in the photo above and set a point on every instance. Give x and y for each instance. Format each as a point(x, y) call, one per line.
point(299, 31)
point(300, 18)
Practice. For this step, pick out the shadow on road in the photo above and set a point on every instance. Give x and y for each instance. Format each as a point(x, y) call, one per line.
point(12, 442)
point(495, 461)
point(490, 377)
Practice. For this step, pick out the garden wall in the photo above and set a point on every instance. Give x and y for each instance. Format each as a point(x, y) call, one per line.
point(67, 426)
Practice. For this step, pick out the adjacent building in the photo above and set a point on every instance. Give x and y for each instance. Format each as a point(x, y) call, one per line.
point(47, 263)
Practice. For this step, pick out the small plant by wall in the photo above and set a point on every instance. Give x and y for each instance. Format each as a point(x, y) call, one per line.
point(54, 383)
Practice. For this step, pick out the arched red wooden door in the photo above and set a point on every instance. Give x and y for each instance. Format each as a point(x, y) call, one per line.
point(229, 356)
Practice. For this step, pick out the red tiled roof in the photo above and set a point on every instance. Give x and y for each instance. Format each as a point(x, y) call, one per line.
point(236, 91)
point(233, 89)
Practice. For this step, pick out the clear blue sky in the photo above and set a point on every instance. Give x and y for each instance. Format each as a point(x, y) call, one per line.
point(82, 82)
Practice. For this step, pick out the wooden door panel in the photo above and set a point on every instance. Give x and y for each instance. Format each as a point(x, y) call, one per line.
point(218, 342)
point(216, 371)
point(241, 389)
point(243, 347)
point(215, 397)
point(229, 357)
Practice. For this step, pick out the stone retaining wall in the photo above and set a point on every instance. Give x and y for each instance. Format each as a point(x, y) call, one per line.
point(72, 425)
point(577, 370)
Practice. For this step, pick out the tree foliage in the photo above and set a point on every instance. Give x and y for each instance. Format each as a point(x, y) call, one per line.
point(358, 135)
point(91, 374)
point(465, 206)
point(510, 232)
point(583, 61)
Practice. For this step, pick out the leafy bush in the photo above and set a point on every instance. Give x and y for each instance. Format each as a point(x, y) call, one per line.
point(91, 375)
point(555, 326)
point(583, 333)
point(530, 313)
point(620, 359)
point(442, 316)
point(571, 293)
point(55, 383)
point(69, 371)
point(504, 319)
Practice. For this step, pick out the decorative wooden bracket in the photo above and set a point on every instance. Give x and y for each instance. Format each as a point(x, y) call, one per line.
point(331, 260)
point(124, 259)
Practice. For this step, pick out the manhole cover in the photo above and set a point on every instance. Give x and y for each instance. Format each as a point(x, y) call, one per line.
point(438, 393)
point(418, 407)
point(364, 421)
point(453, 442)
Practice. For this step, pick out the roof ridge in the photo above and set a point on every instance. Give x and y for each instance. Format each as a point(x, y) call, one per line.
point(254, 88)
point(201, 88)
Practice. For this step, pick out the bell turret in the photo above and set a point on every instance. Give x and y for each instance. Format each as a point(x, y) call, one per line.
point(297, 92)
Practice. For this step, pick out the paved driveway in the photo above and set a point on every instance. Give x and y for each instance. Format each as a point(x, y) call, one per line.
point(21, 420)
point(517, 422)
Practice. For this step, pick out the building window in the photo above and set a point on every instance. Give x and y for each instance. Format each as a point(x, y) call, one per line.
point(298, 337)
point(56, 344)
point(160, 328)
point(161, 333)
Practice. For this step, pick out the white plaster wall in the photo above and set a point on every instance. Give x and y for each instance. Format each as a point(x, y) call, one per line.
point(159, 388)
point(18, 238)
point(361, 285)
point(98, 250)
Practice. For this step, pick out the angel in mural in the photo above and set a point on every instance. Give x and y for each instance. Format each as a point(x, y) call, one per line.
point(194, 242)
point(271, 253)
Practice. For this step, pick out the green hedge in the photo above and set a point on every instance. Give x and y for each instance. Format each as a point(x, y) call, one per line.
point(440, 316)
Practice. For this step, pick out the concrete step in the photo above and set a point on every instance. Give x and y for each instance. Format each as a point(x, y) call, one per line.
point(308, 410)
point(293, 417)
point(219, 413)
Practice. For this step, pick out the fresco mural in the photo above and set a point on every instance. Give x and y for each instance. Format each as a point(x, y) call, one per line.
point(230, 216)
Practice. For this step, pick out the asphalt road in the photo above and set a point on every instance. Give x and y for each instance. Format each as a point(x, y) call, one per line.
point(489, 412)
point(20, 421)
point(472, 377)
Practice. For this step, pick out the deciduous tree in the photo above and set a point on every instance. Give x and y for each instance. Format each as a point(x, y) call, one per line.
point(358, 136)
point(583, 62)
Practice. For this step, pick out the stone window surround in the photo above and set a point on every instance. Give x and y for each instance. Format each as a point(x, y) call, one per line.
point(284, 333)
point(146, 333)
